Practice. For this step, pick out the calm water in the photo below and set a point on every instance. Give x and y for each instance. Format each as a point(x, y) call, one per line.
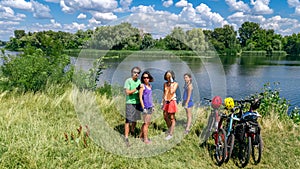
point(234, 76)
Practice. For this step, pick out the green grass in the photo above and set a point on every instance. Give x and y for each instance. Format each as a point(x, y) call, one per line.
point(33, 129)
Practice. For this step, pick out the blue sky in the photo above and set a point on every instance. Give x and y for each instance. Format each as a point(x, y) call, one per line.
point(157, 17)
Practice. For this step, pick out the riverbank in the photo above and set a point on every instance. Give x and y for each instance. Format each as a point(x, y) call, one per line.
point(33, 130)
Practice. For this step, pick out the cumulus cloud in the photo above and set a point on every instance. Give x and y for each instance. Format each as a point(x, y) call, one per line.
point(6, 13)
point(143, 9)
point(89, 5)
point(125, 3)
point(237, 5)
point(261, 7)
point(74, 27)
point(19, 4)
point(181, 3)
point(93, 21)
point(39, 10)
point(167, 3)
point(295, 4)
point(81, 16)
point(212, 19)
point(109, 16)
point(55, 1)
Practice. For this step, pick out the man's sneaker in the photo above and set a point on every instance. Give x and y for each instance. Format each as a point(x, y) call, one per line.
point(127, 142)
point(168, 137)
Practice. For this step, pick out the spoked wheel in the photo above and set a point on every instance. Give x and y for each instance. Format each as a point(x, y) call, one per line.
point(245, 151)
point(230, 145)
point(206, 132)
point(257, 148)
point(221, 146)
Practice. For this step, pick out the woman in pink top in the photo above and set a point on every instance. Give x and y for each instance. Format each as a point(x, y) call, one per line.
point(169, 102)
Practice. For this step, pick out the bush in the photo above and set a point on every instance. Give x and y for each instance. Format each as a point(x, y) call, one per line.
point(272, 102)
point(33, 71)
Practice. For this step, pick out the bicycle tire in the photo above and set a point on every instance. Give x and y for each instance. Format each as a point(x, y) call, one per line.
point(221, 146)
point(206, 132)
point(230, 145)
point(245, 151)
point(257, 148)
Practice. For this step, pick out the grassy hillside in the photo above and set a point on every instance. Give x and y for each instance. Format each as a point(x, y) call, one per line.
point(42, 130)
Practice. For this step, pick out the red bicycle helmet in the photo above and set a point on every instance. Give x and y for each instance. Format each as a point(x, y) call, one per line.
point(216, 102)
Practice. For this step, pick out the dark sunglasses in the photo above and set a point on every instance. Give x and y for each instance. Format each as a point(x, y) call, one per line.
point(146, 78)
point(136, 72)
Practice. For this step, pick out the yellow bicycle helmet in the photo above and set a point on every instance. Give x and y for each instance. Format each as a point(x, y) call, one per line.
point(229, 103)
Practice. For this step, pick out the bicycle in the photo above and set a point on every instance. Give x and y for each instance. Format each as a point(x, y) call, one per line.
point(214, 129)
point(232, 120)
point(248, 132)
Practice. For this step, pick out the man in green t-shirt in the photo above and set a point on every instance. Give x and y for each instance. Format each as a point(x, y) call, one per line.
point(133, 106)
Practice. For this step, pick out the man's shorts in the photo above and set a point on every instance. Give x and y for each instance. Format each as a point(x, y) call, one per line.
point(170, 107)
point(133, 112)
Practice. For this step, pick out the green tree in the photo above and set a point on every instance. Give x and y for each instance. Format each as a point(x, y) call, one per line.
point(195, 40)
point(147, 41)
point(247, 31)
point(19, 34)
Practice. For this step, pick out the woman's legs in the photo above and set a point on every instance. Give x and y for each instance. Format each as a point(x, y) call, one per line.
point(146, 124)
point(173, 122)
point(167, 119)
point(189, 118)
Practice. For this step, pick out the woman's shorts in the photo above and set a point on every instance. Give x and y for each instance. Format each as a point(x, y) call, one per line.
point(170, 107)
point(133, 112)
point(190, 103)
point(148, 111)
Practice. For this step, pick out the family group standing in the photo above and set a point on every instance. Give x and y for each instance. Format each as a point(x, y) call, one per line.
point(139, 100)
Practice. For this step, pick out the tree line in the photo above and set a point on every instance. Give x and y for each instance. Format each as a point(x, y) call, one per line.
point(225, 40)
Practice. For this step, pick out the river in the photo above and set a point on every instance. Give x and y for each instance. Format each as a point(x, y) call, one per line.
point(236, 77)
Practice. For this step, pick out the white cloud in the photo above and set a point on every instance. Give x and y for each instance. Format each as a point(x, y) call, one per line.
point(39, 10)
point(89, 5)
point(181, 3)
point(261, 7)
point(239, 18)
point(212, 19)
point(167, 3)
point(143, 9)
point(55, 1)
point(66, 8)
point(81, 16)
point(109, 16)
point(237, 5)
point(55, 24)
point(295, 4)
point(125, 3)
point(93, 21)
point(6, 13)
point(74, 27)
point(19, 4)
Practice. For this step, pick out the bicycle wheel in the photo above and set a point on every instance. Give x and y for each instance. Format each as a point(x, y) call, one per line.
point(256, 148)
point(245, 151)
point(206, 132)
point(221, 146)
point(230, 145)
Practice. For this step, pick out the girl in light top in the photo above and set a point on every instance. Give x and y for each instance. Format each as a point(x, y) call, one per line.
point(145, 94)
point(169, 102)
point(188, 100)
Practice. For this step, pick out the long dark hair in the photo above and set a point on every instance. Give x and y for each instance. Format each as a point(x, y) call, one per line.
point(149, 75)
point(172, 74)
